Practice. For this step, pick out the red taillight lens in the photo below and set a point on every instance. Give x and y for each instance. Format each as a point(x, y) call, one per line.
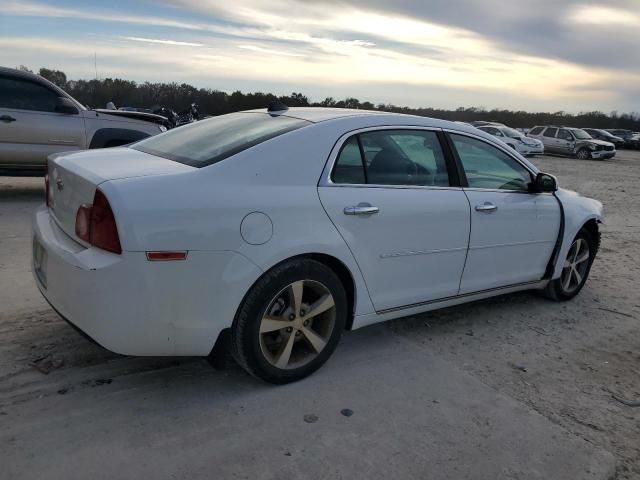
point(83, 222)
point(97, 225)
point(103, 231)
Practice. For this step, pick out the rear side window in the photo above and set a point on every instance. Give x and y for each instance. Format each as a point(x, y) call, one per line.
point(392, 157)
point(349, 167)
point(536, 131)
point(26, 95)
point(209, 141)
point(550, 132)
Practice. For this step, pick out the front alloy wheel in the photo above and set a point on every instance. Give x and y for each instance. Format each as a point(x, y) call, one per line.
point(583, 154)
point(290, 321)
point(575, 269)
point(575, 266)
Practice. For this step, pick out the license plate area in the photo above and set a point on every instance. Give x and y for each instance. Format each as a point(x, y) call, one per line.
point(40, 262)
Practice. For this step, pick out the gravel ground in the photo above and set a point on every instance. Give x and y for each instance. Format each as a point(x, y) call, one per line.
point(577, 354)
point(566, 361)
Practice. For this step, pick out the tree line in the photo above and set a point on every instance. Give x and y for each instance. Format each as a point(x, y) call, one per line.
point(178, 96)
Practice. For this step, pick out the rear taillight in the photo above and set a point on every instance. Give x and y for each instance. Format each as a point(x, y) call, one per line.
point(46, 184)
point(97, 225)
point(83, 222)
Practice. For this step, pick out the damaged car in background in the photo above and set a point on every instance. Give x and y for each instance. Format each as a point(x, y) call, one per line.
point(573, 142)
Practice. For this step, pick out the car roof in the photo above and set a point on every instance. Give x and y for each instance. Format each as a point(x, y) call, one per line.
point(321, 114)
point(369, 117)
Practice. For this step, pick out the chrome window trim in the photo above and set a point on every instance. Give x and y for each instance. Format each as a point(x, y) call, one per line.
point(325, 178)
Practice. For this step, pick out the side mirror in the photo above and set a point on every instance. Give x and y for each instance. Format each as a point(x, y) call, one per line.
point(545, 183)
point(64, 105)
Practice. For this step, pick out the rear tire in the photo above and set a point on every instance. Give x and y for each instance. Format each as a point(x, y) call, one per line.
point(575, 272)
point(290, 322)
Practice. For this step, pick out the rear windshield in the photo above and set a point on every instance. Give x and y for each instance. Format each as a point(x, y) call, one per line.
point(208, 141)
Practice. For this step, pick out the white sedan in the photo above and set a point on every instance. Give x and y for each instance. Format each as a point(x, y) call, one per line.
point(284, 227)
point(515, 139)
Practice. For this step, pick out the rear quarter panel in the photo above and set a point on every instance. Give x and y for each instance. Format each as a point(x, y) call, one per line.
point(203, 210)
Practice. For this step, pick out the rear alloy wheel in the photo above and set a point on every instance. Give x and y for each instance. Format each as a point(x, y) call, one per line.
point(290, 322)
point(575, 269)
point(583, 154)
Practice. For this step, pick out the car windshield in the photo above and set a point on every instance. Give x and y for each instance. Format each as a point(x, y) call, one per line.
point(512, 133)
point(581, 134)
point(209, 141)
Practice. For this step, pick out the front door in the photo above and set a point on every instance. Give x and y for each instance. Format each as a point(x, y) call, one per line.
point(565, 141)
point(391, 198)
point(550, 141)
point(513, 232)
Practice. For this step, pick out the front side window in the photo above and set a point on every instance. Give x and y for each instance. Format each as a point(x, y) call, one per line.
point(393, 157)
point(25, 95)
point(565, 134)
point(209, 141)
point(487, 167)
point(550, 132)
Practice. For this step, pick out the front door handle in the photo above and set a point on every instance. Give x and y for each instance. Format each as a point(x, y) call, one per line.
point(7, 119)
point(361, 209)
point(486, 207)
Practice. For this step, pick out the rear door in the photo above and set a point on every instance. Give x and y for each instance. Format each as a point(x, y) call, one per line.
point(397, 203)
point(513, 232)
point(549, 140)
point(30, 129)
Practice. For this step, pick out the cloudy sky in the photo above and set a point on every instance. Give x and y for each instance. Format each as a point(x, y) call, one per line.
point(542, 55)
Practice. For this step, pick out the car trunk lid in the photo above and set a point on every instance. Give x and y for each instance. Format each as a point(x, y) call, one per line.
point(74, 177)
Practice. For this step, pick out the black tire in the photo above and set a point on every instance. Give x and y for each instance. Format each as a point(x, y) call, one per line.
point(555, 290)
point(583, 154)
point(246, 346)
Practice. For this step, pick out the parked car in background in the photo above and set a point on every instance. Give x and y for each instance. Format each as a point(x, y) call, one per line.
point(572, 142)
point(631, 139)
point(278, 229)
point(37, 119)
point(600, 134)
point(515, 139)
point(480, 123)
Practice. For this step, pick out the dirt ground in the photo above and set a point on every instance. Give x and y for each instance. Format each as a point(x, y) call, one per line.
point(565, 361)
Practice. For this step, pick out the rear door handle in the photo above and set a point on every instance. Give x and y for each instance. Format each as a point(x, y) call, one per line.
point(361, 209)
point(7, 119)
point(486, 207)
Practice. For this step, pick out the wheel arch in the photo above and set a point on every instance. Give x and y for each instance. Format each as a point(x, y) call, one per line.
point(113, 137)
point(335, 264)
point(591, 224)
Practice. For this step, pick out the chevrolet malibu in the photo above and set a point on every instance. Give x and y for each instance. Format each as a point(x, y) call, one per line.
point(281, 228)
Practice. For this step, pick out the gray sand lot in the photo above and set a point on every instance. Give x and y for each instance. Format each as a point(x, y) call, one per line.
point(515, 387)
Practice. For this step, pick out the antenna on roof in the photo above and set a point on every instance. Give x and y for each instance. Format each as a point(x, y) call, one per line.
point(277, 106)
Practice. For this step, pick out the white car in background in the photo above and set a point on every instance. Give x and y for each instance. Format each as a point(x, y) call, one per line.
point(515, 139)
point(283, 227)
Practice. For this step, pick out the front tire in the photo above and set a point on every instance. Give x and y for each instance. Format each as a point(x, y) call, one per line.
point(576, 268)
point(583, 154)
point(290, 322)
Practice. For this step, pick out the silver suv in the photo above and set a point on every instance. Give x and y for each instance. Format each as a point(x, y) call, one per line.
point(37, 119)
point(572, 141)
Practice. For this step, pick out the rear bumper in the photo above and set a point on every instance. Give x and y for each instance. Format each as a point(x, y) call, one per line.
point(135, 307)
